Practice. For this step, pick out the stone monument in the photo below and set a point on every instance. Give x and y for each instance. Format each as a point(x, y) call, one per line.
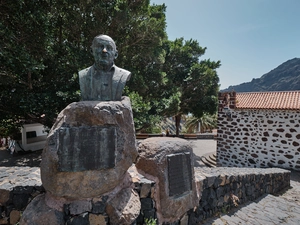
point(89, 150)
point(170, 163)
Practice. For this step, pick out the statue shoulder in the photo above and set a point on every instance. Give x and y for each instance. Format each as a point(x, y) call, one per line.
point(125, 74)
point(84, 72)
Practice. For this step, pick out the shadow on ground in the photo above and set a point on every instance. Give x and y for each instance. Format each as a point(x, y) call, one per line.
point(295, 175)
point(31, 159)
point(198, 162)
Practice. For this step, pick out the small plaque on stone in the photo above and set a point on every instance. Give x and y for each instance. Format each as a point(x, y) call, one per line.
point(179, 173)
point(86, 148)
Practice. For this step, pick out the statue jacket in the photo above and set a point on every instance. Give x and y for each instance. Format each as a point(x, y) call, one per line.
point(102, 86)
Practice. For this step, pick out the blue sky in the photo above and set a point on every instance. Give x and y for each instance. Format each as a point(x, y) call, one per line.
point(249, 37)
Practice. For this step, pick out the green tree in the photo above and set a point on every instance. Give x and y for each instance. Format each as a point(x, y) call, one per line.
point(193, 84)
point(45, 43)
point(204, 123)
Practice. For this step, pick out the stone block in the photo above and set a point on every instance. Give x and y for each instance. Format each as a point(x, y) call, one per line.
point(23, 190)
point(124, 207)
point(145, 190)
point(20, 201)
point(14, 216)
point(4, 220)
point(89, 149)
point(97, 219)
point(99, 204)
point(169, 163)
point(4, 196)
point(37, 212)
point(184, 220)
point(78, 207)
point(219, 192)
point(210, 180)
point(79, 220)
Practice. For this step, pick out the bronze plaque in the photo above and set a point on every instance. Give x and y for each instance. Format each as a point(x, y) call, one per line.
point(86, 148)
point(179, 173)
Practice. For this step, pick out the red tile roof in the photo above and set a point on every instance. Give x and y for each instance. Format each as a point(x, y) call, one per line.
point(268, 100)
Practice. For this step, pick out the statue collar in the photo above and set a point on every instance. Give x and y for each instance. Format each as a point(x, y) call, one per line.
point(110, 70)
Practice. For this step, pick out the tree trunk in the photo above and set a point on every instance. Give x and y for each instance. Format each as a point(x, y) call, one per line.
point(177, 123)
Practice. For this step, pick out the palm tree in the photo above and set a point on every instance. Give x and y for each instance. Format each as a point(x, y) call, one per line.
point(206, 122)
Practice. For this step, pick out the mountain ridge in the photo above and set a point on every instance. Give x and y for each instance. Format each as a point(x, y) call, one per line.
point(285, 77)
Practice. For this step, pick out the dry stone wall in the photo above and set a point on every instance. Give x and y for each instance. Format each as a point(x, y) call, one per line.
point(223, 188)
point(216, 187)
point(259, 138)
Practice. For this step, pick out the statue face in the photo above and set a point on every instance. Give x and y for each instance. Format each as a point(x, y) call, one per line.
point(104, 50)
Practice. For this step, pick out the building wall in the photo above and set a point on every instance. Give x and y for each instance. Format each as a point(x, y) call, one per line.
point(259, 138)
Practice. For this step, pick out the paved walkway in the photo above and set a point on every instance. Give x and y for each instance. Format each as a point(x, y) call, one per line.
point(31, 159)
point(267, 210)
point(202, 147)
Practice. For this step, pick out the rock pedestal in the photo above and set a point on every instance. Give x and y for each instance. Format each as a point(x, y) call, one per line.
point(84, 165)
point(89, 149)
point(169, 162)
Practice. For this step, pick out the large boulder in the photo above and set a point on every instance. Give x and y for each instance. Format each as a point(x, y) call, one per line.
point(89, 149)
point(37, 213)
point(170, 163)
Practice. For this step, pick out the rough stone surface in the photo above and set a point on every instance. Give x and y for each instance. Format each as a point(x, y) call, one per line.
point(4, 220)
point(18, 186)
point(141, 185)
point(37, 213)
point(241, 185)
point(12, 177)
point(78, 207)
point(124, 208)
point(259, 138)
point(268, 209)
point(97, 219)
point(145, 190)
point(211, 183)
point(82, 219)
point(4, 196)
point(14, 216)
point(89, 182)
point(153, 164)
point(184, 220)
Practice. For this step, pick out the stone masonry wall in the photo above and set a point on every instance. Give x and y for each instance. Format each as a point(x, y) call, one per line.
point(259, 138)
point(18, 186)
point(219, 189)
point(222, 188)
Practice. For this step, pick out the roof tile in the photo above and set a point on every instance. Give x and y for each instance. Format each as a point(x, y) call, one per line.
point(268, 100)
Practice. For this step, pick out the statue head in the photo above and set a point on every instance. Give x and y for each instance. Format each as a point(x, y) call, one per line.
point(104, 50)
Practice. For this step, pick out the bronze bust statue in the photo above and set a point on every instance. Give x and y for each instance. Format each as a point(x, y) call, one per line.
point(103, 81)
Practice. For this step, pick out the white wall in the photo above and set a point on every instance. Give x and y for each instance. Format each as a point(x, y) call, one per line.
point(259, 138)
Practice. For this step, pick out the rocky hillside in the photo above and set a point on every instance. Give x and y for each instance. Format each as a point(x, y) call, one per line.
point(285, 77)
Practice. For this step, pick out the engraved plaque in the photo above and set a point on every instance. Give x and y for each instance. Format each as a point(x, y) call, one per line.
point(179, 173)
point(86, 148)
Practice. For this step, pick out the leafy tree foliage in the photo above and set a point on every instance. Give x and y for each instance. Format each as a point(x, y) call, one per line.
point(204, 123)
point(44, 44)
point(193, 83)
